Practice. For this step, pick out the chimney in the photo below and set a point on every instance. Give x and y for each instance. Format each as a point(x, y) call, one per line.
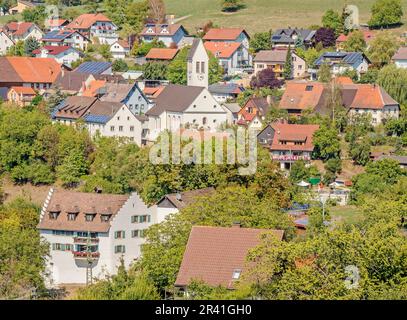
point(236, 224)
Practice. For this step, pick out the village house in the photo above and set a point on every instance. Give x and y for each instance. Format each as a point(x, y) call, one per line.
point(253, 114)
point(227, 91)
point(21, 96)
point(95, 68)
point(37, 73)
point(66, 38)
point(22, 31)
point(161, 54)
point(55, 24)
point(5, 42)
point(228, 35)
point(233, 110)
point(370, 99)
point(170, 34)
point(217, 255)
point(341, 62)
point(95, 25)
point(303, 95)
point(93, 230)
point(172, 203)
point(21, 6)
point(400, 58)
point(342, 38)
point(290, 37)
point(231, 56)
point(120, 49)
point(289, 142)
point(276, 59)
point(65, 55)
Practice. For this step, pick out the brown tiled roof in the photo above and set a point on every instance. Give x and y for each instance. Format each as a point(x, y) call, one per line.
point(366, 96)
point(214, 253)
point(71, 81)
point(223, 34)
point(75, 107)
point(85, 21)
point(104, 108)
point(187, 197)
point(69, 201)
point(174, 98)
point(293, 133)
point(158, 28)
point(277, 56)
point(18, 28)
point(161, 53)
point(116, 92)
point(302, 95)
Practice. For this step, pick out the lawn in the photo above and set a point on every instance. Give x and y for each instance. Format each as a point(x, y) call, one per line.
point(5, 19)
point(262, 15)
point(349, 214)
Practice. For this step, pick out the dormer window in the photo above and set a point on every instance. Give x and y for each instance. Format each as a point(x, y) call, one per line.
point(53, 215)
point(236, 274)
point(72, 216)
point(105, 217)
point(89, 217)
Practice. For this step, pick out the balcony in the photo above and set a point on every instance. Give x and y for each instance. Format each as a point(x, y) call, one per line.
point(84, 240)
point(84, 255)
point(291, 158)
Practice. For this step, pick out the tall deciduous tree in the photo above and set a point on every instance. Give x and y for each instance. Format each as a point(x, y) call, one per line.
point(332, 20)
point(260, 41)
point(382, 48)
point(355, 42)
point(157, 10)
point(386, 13)
point(266, 79)
point(326, 36)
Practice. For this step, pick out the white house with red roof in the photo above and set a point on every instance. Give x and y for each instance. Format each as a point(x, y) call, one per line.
point(96, 25)
point(62, 54)
point(22, 31)
point(56, 24)
point(5, 42)
point(228, 35)
point(120, 49)
point(66, 38)
point(169, 34)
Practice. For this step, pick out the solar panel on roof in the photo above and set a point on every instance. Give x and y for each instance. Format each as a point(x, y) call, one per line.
point(96, 118)
point(93, 67)
point(276, 37)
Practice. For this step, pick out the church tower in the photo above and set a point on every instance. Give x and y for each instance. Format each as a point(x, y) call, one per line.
point(198, 65)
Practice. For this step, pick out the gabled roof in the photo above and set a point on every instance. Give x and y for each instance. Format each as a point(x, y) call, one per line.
point(65, 202)
point(161, 30)
point(92, 90)
point(214, 254)
point(176, 98)
point(183, 199)
point(344, 57)
point(54, 50)
point(194, 47)
point(277, 56)
point(93, 67)
point(401, 54)
point(70, 81)
point(366, 96)
point(118, 92)
point(73, 107)
point(230, 34)
point(27, 69)
point(287, 35)
point(225, 88)
point(222, 49)
point(85, 21)
point(162, 53)
point(293, 133)
point(18, 28)
point(367, 35)
point(24, 90)
point(60, 35)
point(102, 111)
point(232, 107)
point(302, 95)
point(57, 22)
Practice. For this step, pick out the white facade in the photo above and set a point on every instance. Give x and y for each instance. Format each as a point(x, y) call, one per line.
point(118, 51)
point(198, 66)
point(65, 268)
point(32, 32)
point(5, 43)
point(106, 32)
point(401, 63)
point(167, 39)
point(66, 57)
point(377, 115)
point(75, 40)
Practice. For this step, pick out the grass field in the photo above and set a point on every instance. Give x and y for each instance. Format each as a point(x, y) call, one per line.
point(349, 214)
point(262, 15)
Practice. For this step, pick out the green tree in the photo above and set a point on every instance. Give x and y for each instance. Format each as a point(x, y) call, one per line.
point(331, 19)
point(326, 143)
point(355, 42)
point(393, 80)
point(261, 41)
point(382, 49)
point(17, 49)
point(120, 65)
point(386, 13)
point(155, 70)
point(72, 168)
point(30, 45)
point(360, 152)
point(324, 73)
point(232, 5)
point(288, 66)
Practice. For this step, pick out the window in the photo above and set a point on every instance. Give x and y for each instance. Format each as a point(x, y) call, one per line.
point(202, 67)
point(112, 128)
point(53, 215)
point(89, 217)
point(62, 233)
point(119, 249)
point(138, 233)
point(128, 118)
point(120, 128)
point(118, 118)
point(141, 218)
point(131, 128)
point(72, 216)
point(236, 274)
point(119, 235)
point(105, 217)
point(62, 247)
point(197, 67)
point(309, 88)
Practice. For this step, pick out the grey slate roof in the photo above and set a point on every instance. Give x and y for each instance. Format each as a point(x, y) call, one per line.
point(225, 88)
point(195, 45)
point(102, 111)
point(285, 35)
point(232, 107)
point(176, 98)
point(116, 92)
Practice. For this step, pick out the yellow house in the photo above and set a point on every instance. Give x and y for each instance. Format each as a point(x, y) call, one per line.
point(21, 96)
point(21, 6)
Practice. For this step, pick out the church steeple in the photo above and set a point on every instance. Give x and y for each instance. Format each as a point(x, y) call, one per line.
point(198, 65)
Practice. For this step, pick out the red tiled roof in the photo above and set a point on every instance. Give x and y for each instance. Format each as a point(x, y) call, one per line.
point(223, 34)
point(24, 90)
point(123, 43)
point(401, 54)
point(18, 28)
point(214, 253)
point(222, 49)
point(53, 50)
point(93, 87)
point(343, 80)
point(85, 21)
point(370, 96)
point(291, 133)
point(161, 53)
point(367, 35)
point(29, 70)
point(56, 22)
point(301, 95)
